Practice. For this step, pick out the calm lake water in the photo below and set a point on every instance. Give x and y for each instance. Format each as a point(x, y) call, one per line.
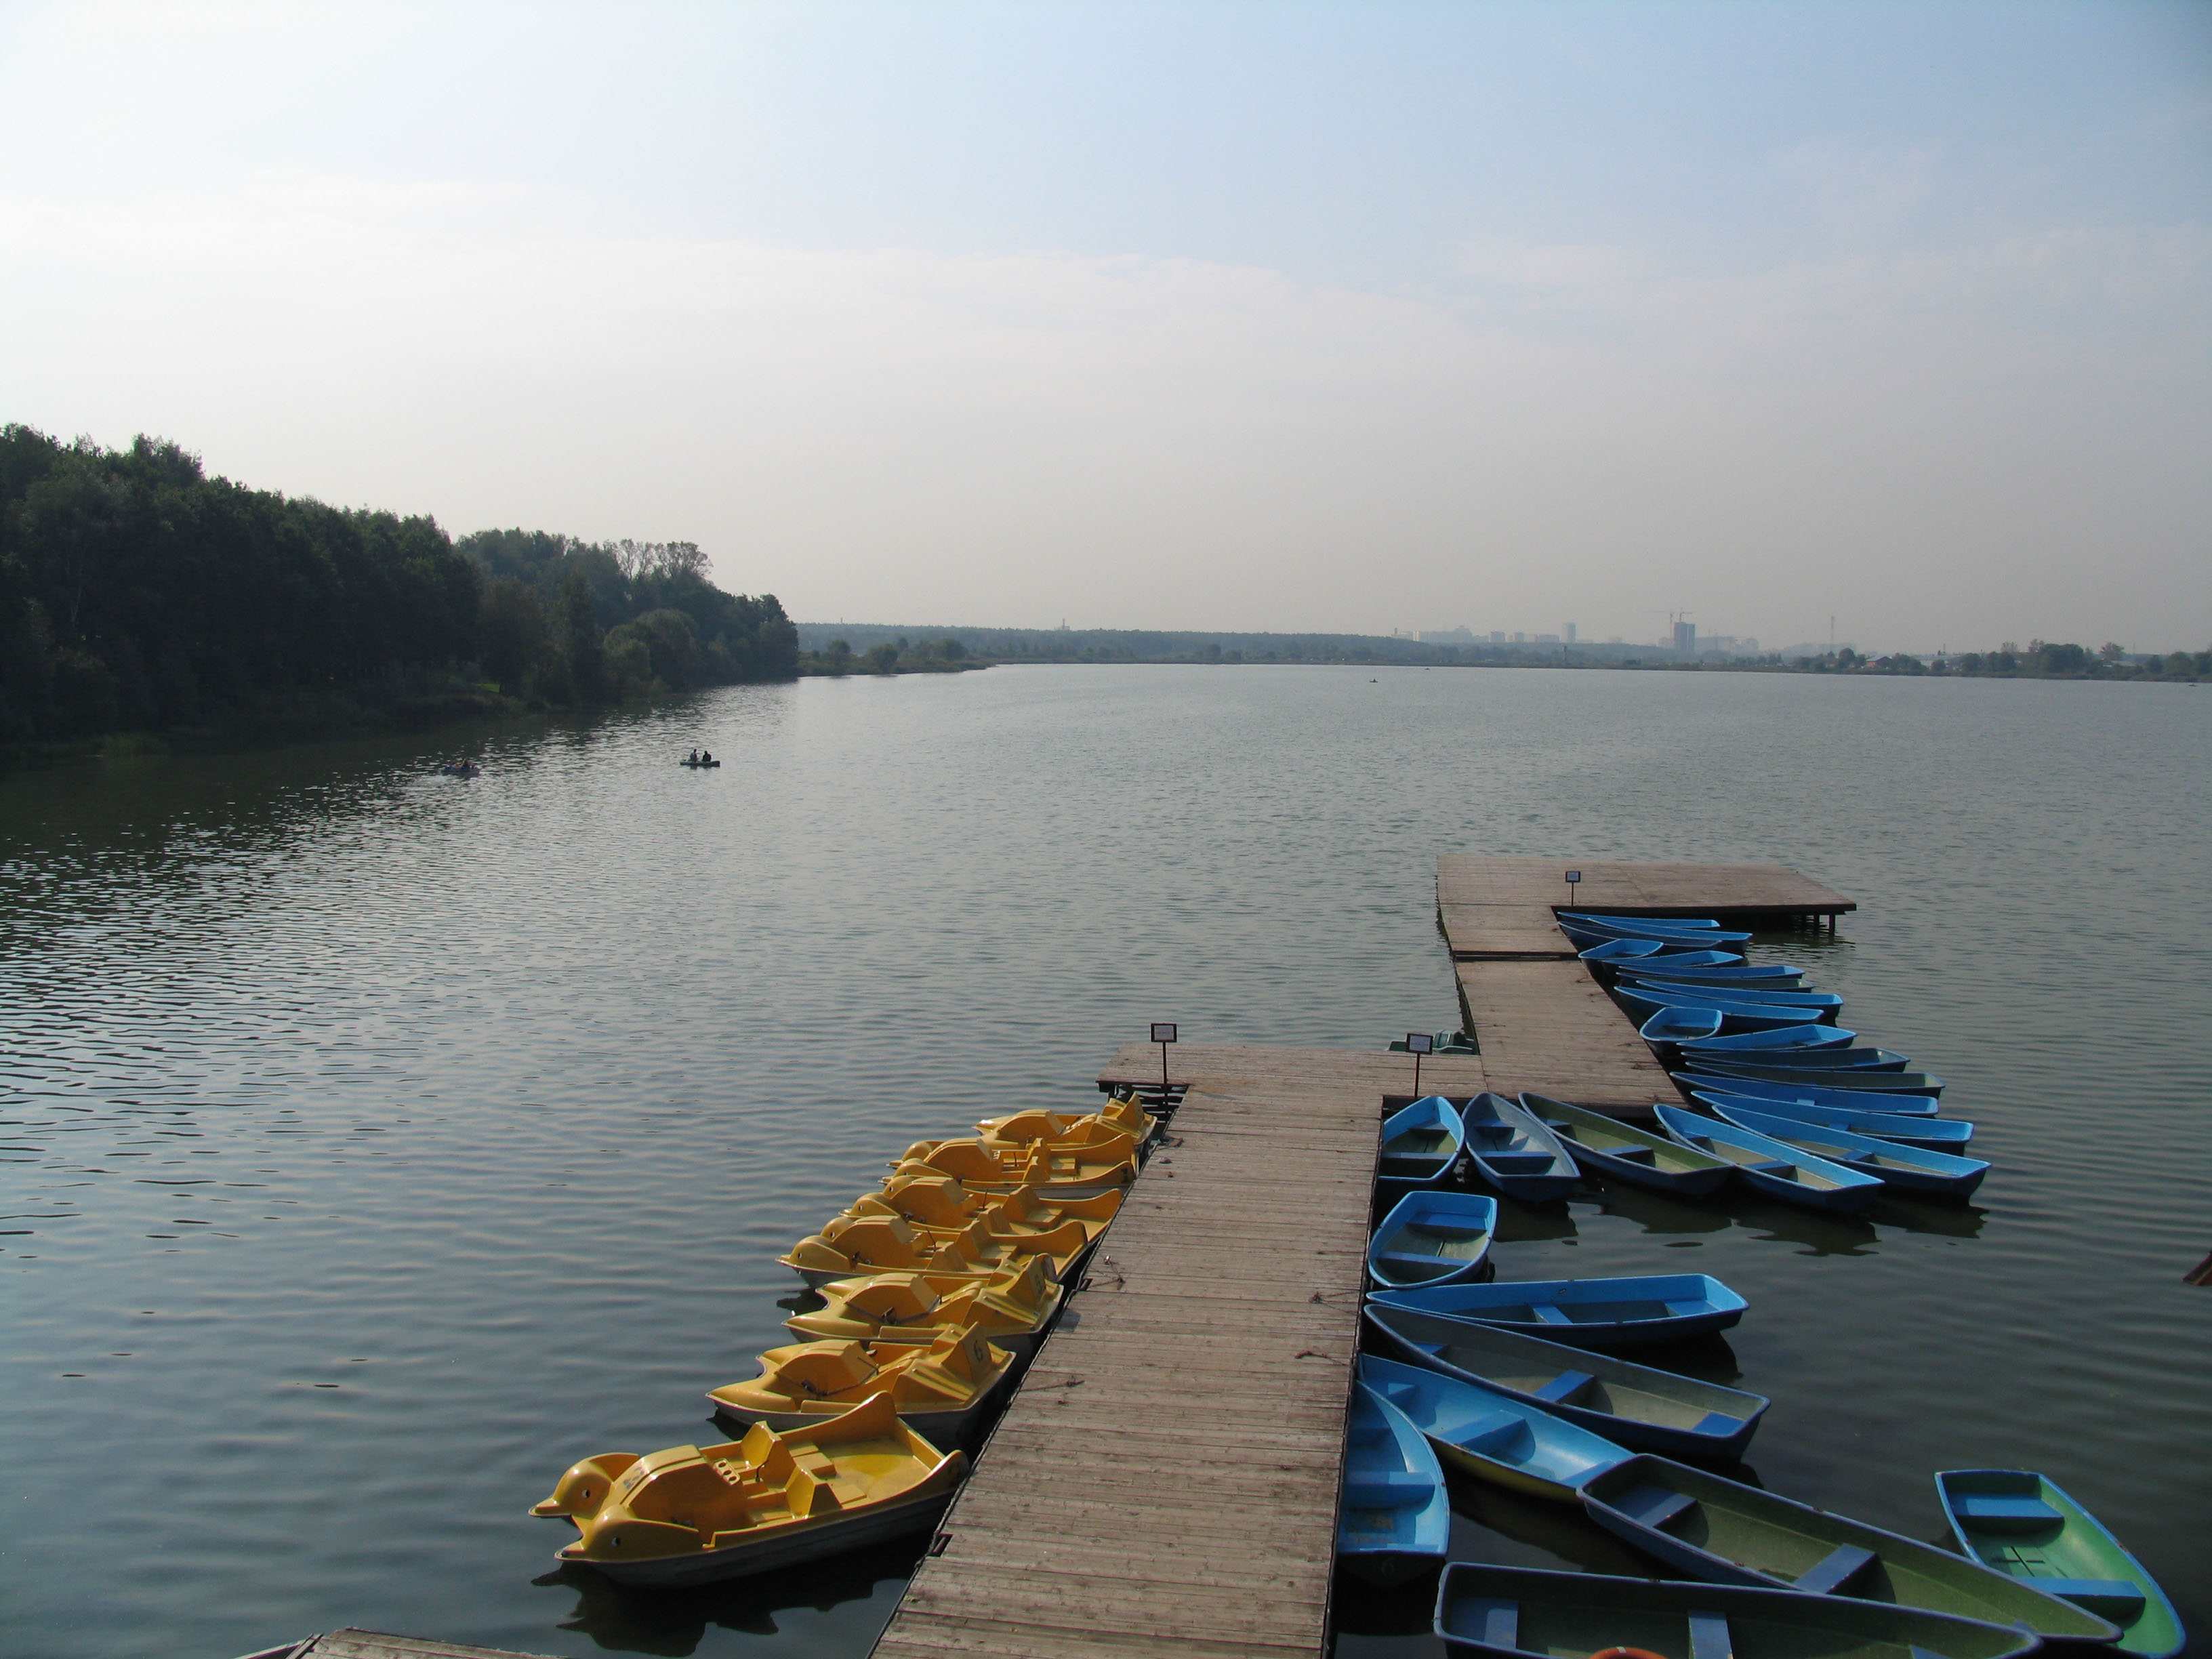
point(376, 1143)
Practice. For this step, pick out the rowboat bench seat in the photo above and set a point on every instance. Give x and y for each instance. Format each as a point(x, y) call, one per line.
point(1635, 1154)
point(1389, 1489)
point(1422, 1260)
point(2112, 1598)
point(1545, 1314)
point(1564, 1387)
point(1716, 1423)
point(2006, 1513)
point(1654, 1506)
point(1834, 1570)
point(1710, 1637)
point(1480, 1433)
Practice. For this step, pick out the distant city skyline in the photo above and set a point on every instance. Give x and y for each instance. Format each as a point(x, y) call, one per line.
point(1221, 315)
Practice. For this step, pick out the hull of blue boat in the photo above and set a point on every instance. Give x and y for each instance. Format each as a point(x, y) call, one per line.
point(1900, 1167)
point(1605, 1314)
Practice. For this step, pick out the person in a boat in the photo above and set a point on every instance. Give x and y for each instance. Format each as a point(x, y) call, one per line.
point(706, 756)
point(692, 759)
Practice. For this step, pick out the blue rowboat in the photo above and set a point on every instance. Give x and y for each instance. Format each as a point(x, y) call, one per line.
point(1705, 939)
point(1630, 1312)
point(1732, 1534)
point(1634, 1406)
point(1623, 950)
point(1536, 1612)
point(1876, 1079)
point(1812, 1093)
point(1735, 1016)
point(1421, 1144)
point(1395, 1521)
point(1515, 1153)
point(1650, 952)
point(1814, 1005)
point(1433, 1236)
point(2023, 1524)
point(1628, 1151)
point(1943, 1133)
point(1808, 1038)
point(1835, 1057)
point(1493, 1436)
point(1774, 976)
point(1673, 1027)
point(1641, 924)
point(1774, 1167)
point(1906, 1169)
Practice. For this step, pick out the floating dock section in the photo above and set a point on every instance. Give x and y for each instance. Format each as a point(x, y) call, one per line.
point(1504, 908)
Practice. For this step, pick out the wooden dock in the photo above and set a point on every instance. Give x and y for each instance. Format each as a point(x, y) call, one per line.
point(1501, 908)
point(350, 1644)
point(1165, 1479)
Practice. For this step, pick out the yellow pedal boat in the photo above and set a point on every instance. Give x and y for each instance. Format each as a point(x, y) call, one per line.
point(691, 1514)
point(937, 1391)
point(941, 1204)
point(985, 1167)
point(1013, 1309)
point(1073, 1128)
point(854, 1246)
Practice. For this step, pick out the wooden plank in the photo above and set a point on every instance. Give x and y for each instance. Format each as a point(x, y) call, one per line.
point(379, 1645)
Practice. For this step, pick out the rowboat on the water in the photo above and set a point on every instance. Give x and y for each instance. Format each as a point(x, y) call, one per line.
point(1879, 1080)
point(1815, 1005)
point(1732, 1534)
point(1834, 1057)
point(1791, 1039)
point(1776, 977)
point(1634, 1406)
point(1775, 1167)
point(1535, 1612)
point(1610, 953)
point(1735, 1016)
point(2024, 1525)
point(691, 1513)
point(1433, 1236)
point(1629, 1312)
point(1671, 1027)
point(1421, 1144)
point(1905, 1169)
point(1394, 1520)
point(1492, 1436)
point(1665, 924)
point(1823, 1091)
point(1627, 1151)
point(1587, 933)
point(1943, 1133)
point(1514, 1152)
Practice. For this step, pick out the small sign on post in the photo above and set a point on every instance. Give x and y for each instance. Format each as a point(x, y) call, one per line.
point(1164, 1033)
point(1574, 877)
point(1417, 1044)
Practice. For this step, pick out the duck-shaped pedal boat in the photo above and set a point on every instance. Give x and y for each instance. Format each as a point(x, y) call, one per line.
point(1013, 1309)
point(940, 1204)
point(985, 1166)
point(854, 1246)
point(691, 1513)
point(937, 1391)
point(1122, 1117)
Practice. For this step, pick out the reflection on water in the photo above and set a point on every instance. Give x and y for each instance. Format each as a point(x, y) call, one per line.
point(373, 1144)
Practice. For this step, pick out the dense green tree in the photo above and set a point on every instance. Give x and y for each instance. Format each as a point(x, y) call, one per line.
point(136, 591)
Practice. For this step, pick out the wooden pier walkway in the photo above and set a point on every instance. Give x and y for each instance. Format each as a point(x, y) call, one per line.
point(1165, 1480)
point(1501, 908)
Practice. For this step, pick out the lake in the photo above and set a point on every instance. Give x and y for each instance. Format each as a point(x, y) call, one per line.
point(374, 1144)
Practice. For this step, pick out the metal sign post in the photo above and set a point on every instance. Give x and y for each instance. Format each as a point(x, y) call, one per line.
point(1573, 878)
point(1164, 1033)
point(1417, 1044)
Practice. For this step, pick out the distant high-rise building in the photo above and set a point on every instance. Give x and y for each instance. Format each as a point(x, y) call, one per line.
point(1570, 632)
point(1519, 638)
point(1685, 639)
point(1497, 636)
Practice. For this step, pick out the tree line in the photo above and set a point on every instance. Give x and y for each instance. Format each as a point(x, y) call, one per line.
point(2043, 660)
point(136, 594)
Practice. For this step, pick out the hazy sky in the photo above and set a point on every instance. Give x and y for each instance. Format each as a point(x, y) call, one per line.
point(1202, 315)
